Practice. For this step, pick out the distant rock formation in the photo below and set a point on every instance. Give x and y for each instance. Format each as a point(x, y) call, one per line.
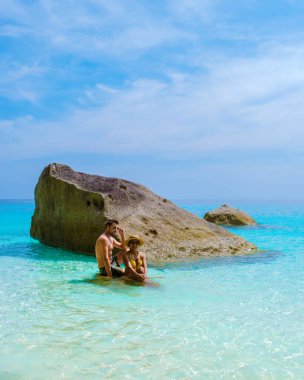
point(71, 209)
point(227, 215)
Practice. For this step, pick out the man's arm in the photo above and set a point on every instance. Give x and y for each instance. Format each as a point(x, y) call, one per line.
point(122, 244)
point(106, 255)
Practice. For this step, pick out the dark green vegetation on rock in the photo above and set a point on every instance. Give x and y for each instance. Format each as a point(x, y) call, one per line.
point(71, 209)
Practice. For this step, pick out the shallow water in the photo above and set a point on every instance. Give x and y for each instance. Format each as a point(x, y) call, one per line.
point(222, 318)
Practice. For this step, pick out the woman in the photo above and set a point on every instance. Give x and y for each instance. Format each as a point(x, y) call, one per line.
point(135, 261)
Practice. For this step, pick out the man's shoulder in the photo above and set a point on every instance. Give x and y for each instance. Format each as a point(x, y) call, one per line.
point(103, 239)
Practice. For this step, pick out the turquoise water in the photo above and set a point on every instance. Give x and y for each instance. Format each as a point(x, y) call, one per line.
point(223, 318)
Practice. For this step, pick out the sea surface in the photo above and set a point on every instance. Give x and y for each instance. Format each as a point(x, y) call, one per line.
point(238, 317)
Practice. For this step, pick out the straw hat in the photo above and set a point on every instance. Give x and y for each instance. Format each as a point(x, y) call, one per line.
point(134, 237)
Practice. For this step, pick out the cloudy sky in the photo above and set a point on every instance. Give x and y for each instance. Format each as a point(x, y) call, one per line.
point(195, 99)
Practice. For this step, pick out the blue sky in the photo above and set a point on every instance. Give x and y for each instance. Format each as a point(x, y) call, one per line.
point(194, 99)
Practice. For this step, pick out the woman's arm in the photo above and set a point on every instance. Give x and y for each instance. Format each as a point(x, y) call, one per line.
point(144, 261)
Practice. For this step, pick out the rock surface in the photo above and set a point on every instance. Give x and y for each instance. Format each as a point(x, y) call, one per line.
point(71, 209)
point(227, 215)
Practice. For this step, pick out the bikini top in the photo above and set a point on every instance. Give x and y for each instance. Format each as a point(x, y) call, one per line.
point(139, 263)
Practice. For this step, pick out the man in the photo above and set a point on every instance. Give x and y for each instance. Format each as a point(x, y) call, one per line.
point(104, 247)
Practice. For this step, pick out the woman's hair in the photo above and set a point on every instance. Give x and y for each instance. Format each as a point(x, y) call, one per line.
point(133, 240)
point(109, 222)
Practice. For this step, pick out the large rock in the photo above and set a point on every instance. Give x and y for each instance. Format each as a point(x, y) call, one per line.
point(71, 209)
point(227, 215)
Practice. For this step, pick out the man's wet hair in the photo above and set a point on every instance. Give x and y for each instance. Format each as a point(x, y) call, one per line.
point(109, 222)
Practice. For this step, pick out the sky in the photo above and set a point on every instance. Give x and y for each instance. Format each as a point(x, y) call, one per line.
point(193, 99)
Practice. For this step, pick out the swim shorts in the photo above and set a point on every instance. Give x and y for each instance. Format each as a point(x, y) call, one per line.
point(116, 272)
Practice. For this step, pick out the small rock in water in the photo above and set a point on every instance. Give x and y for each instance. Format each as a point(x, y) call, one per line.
point(229, 216)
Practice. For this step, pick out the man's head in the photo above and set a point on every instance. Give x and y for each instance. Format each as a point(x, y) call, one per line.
point(111, 226)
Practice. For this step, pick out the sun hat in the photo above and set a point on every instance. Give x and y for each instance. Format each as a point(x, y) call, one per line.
point(134, 237)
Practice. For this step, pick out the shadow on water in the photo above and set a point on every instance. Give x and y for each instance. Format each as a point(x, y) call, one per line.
point(262, 257)
point(116, 283)
point(38, 252)
point(34, 250)
point(258, 227)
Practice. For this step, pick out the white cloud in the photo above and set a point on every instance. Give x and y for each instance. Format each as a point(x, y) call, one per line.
point(17, 72)
point(91, 27)
point(203, 10)
point(18, 81)
point(13, 30)
point(12, 9)
point(228, 103)
point(242, 105)
point(210, 81)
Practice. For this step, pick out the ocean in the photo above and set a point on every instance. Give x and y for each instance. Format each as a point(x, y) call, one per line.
point(237, 317)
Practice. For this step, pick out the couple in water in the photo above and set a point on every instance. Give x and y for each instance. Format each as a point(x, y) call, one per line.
point(134, 261)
